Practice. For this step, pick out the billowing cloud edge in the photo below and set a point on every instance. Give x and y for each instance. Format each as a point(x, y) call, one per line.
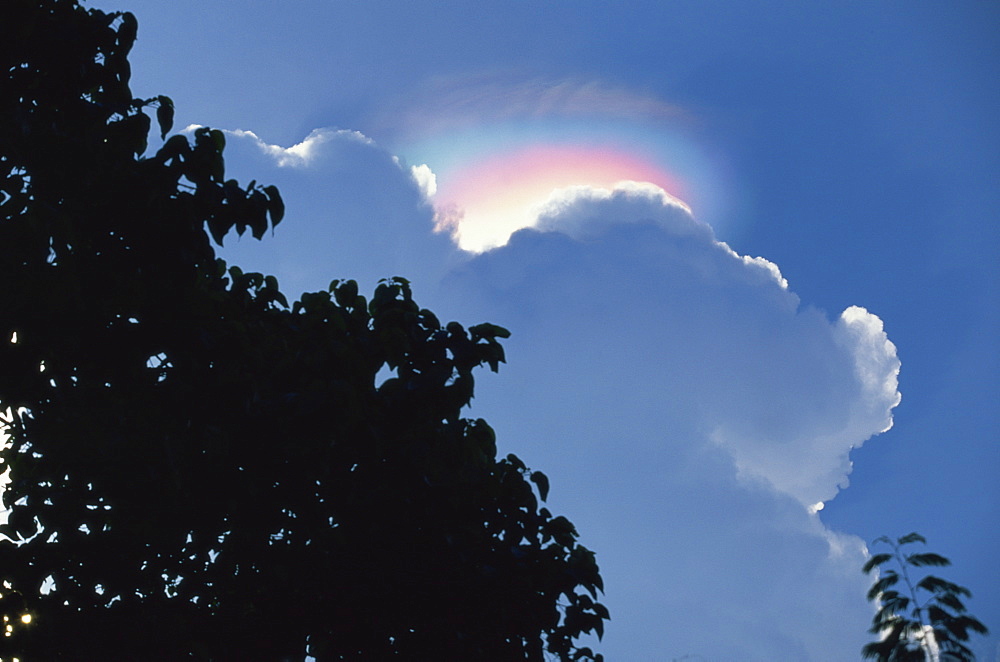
point(657, 205)
point(304, 153)
point(584, 213)
point(875, 362)
point(781, 507)
point(301, 154)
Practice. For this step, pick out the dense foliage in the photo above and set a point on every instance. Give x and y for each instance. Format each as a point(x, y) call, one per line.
point(921, 621)
point(201, 470)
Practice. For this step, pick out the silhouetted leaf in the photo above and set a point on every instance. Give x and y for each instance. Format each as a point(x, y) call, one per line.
point(127, 31)
point(938, 585)
point(927, 559)
point(488, 331)
point(889, 579)
point(910, 538)
point(902, 628)
point(540, 479)
point(875, 561)
point(164, 115)
point(275, 205)
point(951, 601)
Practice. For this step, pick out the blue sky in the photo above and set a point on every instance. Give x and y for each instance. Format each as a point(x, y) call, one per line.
point(689, 405)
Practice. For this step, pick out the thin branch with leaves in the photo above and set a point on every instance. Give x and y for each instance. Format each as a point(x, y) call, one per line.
point(923, 621)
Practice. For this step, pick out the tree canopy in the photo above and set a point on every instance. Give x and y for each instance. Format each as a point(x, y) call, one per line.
point(200, 469)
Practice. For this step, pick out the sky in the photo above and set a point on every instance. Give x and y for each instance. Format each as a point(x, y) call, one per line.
point(746, 252)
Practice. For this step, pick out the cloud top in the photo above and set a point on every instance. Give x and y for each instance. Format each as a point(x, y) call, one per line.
point(584, 212)
point(494, 194)
point(695, 415)
point(303, 154)
point(355, 211)
point(692, 415)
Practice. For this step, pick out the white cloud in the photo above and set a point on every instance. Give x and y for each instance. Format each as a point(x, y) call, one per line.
point(875, 362)
point(425, 178)
point(690, 412)
point(304, 153)
point(353, 211)
point(585, 211)
point(770, 267)
point(693, 417)
point(578, 211)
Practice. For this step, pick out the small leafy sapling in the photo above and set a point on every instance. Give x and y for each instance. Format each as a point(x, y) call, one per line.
point(922, 621)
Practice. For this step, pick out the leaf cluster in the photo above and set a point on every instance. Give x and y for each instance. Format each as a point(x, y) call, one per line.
point(913, 619)
point(201, 469)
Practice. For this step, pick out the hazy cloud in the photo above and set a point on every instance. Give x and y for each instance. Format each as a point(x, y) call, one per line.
point(468, 99)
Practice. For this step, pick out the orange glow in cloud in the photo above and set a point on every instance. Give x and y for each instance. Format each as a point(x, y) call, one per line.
point(484, 202)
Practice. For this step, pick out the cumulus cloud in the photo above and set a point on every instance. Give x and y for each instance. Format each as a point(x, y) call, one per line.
point(585, 211)
point(812, 463)
point(577, 210)
point(425, 179)
point(303, 153)
point(693, 415)
point(354, 211)
point(875, 362)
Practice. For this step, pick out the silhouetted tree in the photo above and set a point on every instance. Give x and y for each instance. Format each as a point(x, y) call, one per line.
point(924, 621)
point(199, 470)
